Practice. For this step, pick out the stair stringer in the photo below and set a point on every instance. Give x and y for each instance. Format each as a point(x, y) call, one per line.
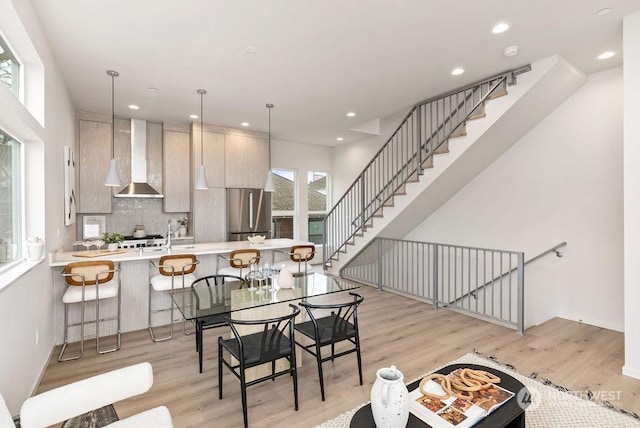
point(508, 119)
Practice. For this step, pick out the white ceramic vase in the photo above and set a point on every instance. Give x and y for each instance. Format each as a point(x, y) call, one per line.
point(390, 399)
point(182, 231)
point(112, 246)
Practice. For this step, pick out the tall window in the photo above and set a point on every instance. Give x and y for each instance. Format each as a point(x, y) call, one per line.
point(317, 202)
point(283, 203)
point(10, 201)
point(9, 68)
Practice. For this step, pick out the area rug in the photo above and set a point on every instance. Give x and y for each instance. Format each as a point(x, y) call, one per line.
point(551, 405)
point(95, 419)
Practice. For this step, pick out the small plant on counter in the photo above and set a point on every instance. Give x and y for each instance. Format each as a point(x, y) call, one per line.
point(112, 237)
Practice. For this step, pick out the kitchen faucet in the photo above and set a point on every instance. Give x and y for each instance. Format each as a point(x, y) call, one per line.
point(169, 233)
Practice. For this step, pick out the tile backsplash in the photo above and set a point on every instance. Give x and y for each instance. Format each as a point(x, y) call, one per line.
point(127, 213)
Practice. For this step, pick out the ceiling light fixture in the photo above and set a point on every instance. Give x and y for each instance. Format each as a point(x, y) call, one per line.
point(113, 180)
point(500, 27)
point(268, 185)
point(606, 55)
point(351, 114)
point(152, 89)
point(457, 71)
point(339, 139)
point(194, 116)
point(252, 50)
point(245, 124)
point(133, 107)
point(604, 11)
point(201, 182)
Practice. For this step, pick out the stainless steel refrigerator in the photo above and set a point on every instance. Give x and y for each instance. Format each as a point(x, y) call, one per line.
point(248, 213)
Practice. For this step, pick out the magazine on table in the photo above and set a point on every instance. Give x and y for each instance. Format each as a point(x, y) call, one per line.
point(454, 411)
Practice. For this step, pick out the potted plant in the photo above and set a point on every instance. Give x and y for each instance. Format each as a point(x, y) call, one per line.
point(112, 239)
point(182, 226)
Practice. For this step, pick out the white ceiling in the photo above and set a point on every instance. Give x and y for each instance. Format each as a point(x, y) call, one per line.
point(315, 60)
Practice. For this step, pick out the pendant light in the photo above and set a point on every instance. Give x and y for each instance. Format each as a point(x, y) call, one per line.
point(268, 185)
point(113, 179)
point(201, 182)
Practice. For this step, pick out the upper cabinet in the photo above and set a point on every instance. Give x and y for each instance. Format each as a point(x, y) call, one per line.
point(176, 167)
point(94, 153)
point(246, 160)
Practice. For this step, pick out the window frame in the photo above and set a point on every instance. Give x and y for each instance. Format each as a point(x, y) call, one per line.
point(18, 201)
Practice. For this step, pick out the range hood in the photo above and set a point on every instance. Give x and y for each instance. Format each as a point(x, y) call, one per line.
point(138, 188)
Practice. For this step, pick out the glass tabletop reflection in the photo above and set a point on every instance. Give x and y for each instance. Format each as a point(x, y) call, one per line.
point(202, 301)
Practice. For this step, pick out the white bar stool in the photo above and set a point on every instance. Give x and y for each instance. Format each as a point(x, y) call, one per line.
point(89, 281)
point(174, 272)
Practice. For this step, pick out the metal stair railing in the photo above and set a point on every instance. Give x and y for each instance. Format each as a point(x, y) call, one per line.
point(446, 275)
point(425, 129)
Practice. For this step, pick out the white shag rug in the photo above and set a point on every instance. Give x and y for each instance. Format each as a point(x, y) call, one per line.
point(552, 406)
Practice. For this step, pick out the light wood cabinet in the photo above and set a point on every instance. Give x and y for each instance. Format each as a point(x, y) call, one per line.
point(246, 160)
point(94, 153)
point(213, 152)
point(176, 167)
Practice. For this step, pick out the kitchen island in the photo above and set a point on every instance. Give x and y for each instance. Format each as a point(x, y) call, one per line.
point(135, 272)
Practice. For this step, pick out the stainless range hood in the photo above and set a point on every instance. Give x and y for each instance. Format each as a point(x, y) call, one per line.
point(138, 188)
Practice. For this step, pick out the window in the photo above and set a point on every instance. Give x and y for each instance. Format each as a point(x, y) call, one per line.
point(283, 203)
point(10, 201)
point(9, 68)
point(317, 202)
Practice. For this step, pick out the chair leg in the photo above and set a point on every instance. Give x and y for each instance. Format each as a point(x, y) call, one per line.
point(359, 358)
point(199, 344)
point(320, 374)
point(153, 336)
point(243, 392)
point(106, 351)
point(66, 338)
point(219, 371)
point(295, 381)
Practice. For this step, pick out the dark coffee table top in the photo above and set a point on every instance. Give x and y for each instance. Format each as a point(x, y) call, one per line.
point(507, 415)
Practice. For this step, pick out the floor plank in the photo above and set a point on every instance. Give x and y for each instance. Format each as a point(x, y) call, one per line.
point(394, 330)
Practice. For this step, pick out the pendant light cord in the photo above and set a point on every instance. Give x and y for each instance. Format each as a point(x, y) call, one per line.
point(269, 106)
point(201, 92)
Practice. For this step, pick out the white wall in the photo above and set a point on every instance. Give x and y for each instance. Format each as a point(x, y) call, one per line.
point(26, 305)
point(631, 34)
point(350, 159)
point(561, 182)
point(301, 158)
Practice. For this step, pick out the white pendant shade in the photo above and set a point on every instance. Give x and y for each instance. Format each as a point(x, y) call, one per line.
point(112, 177)
point(268, 185)
point(201, 182)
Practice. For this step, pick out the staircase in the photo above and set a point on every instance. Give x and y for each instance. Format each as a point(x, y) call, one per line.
point(440, 146)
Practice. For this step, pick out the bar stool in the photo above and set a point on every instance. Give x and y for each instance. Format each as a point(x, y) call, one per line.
point(89, 281)
point(300, 257)
point(174, 272)
point(239, 261)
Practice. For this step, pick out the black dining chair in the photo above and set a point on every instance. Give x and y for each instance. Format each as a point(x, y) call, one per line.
point(274, 342)
point(215, 297)
point(341, 325)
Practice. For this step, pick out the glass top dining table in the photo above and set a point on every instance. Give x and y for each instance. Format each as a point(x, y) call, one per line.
point(203, 301)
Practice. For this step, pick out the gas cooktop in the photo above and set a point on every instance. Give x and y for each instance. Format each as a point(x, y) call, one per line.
point(133, 238)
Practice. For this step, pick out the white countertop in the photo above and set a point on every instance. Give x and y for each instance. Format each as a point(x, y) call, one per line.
point(59, 258)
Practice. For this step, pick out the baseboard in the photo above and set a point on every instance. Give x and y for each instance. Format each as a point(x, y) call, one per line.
point(631, 371)
point(593, 322)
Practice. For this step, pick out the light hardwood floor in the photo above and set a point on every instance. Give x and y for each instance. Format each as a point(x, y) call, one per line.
point(394, 330)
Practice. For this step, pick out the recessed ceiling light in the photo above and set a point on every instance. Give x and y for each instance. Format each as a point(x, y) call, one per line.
point(194, 116)
point(511, 51)
point(134, 107)
point(500, 27)
point(252, 50)
point(152, 89)
point(339, 139)
point(606, 55)
point(457, 71)
point(245, 124)
point(604, 11)
point(351, 114)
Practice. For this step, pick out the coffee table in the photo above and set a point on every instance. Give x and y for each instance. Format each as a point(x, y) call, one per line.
point(510, 414)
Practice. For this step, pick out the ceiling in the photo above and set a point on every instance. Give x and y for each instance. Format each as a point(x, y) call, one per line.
point(314, 60)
